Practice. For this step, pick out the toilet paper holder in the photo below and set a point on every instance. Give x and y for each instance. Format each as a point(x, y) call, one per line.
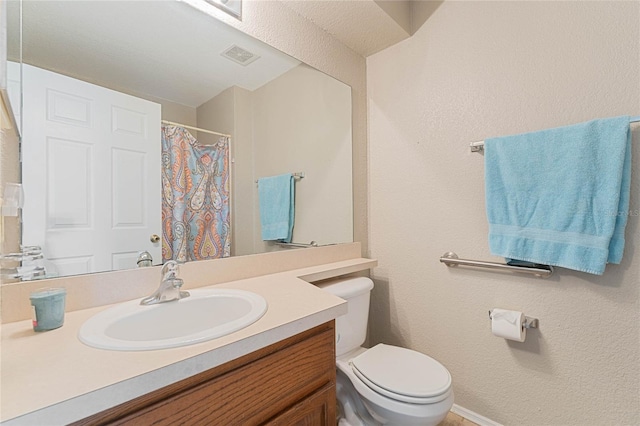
point(528, 321)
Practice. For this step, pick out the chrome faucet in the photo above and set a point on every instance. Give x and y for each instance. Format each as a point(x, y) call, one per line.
point(170, 285)
point(144, 259)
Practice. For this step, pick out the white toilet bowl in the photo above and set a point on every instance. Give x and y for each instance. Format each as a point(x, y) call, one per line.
point(385, 384)
point(388, 403)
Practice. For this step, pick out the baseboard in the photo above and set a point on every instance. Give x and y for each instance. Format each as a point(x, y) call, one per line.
point(474, 417)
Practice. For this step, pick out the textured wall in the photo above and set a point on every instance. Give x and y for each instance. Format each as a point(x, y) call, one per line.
point(481, 69)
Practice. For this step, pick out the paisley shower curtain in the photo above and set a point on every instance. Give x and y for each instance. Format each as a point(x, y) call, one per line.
point(195, 197)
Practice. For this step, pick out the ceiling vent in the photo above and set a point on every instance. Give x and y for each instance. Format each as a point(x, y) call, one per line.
point(239, 55)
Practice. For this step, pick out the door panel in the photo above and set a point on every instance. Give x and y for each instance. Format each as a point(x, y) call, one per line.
point(91, 173)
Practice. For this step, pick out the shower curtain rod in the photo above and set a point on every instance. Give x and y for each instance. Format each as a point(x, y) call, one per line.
point(479, 146)
point(171, 123)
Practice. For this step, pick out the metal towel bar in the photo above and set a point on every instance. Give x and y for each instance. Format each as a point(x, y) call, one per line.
point(451, 259)
point(298, 245)
point(296, 175)
point(479, 146)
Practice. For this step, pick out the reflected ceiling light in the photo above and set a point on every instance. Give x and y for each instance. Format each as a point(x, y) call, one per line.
point(232, 7)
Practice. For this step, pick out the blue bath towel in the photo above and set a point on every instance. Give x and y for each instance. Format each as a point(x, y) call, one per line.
point(560, 196)
point(276, 196)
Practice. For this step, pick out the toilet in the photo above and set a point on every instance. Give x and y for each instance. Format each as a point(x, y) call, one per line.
point(385, 384)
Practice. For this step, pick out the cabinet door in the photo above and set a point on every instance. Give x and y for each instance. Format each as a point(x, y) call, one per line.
point(319, 409)
point(252, 394)
point(291, 382)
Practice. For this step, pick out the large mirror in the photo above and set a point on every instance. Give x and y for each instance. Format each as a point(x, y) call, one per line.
point(117, 94)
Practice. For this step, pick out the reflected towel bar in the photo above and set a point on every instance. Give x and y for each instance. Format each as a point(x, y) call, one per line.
point(297, 175)
point(479, 146)
point(451, 259)
point(298, 245)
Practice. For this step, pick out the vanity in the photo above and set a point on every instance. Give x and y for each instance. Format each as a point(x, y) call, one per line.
point(278, 370)
point(289, 382)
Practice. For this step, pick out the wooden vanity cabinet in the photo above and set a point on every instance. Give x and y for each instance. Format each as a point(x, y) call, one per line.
point(291, 382)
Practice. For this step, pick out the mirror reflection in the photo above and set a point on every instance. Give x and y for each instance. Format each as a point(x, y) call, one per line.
point(150, 134)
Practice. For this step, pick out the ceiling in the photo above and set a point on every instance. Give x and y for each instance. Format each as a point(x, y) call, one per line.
point(166, 49)
point(170, 50)
point(367, 26)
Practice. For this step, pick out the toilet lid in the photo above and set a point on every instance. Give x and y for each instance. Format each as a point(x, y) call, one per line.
point(402, 374)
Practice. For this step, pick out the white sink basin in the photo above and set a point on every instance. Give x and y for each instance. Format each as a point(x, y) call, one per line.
point(205, 315)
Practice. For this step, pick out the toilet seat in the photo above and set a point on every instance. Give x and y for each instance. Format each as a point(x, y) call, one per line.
point(402, 374)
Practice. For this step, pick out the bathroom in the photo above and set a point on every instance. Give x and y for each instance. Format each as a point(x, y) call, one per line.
point(464, 72)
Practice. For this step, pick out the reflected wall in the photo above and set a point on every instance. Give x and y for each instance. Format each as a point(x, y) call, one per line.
point(337, 210)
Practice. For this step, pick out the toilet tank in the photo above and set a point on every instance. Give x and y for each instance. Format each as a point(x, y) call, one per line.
point(351, 328)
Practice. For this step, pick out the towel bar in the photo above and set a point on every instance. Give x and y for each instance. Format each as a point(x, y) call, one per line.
point(298, 245)
point(451, 259)
point(479, 146)
point(296, 175)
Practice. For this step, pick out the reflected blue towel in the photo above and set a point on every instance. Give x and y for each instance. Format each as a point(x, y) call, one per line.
point(560, 196)
point(276, 196)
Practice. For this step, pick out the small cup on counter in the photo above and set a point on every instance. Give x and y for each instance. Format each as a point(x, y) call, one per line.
point(48, 308)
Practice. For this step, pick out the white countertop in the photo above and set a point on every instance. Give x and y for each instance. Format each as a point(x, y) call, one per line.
point(52, 378)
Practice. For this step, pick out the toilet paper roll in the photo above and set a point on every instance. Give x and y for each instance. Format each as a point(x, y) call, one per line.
point(508, 324)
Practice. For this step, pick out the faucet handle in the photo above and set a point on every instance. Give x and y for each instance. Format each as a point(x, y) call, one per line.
point(176, 282)
point(169, 270)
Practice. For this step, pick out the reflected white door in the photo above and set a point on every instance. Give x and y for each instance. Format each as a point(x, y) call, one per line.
point(91, 173)
point(13, 90)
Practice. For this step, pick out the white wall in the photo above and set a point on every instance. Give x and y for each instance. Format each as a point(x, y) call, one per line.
point(481, 69)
